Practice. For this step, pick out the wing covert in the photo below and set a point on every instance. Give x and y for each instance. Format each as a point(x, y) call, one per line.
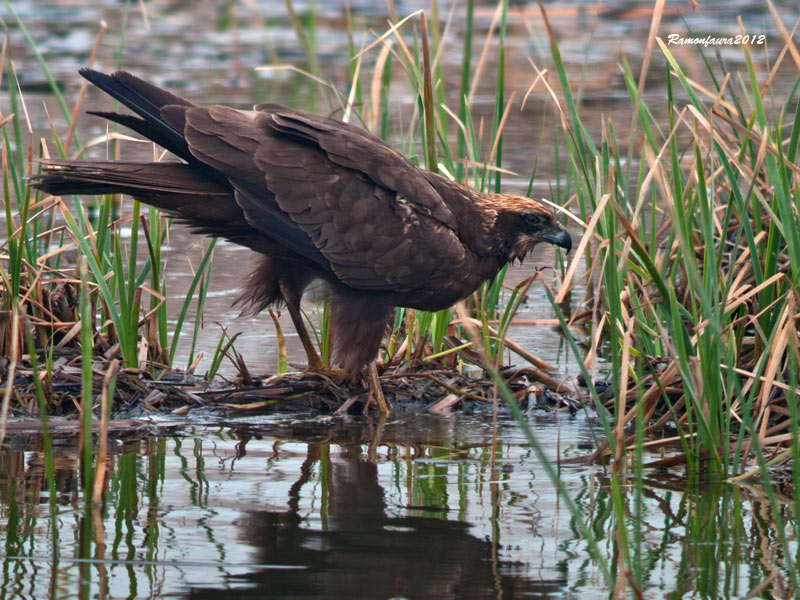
point(305, 189)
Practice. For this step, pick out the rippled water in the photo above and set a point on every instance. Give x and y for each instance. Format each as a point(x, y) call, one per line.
point(326, 508)
point(418, 507)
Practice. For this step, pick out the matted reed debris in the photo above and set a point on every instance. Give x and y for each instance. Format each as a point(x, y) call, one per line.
point(139, 392)
point(48, 318)
point(415, 386)
point(53, 324)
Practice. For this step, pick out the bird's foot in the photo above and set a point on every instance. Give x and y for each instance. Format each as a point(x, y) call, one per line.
point(340, 376)
point(335, 374)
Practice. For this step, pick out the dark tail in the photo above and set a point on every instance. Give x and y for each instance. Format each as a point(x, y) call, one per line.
point(146, 100)
point(174, 187)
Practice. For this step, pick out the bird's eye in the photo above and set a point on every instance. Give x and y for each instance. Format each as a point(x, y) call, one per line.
point(532, 220)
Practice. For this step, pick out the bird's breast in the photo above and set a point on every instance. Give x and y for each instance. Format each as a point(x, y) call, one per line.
point(448, 290)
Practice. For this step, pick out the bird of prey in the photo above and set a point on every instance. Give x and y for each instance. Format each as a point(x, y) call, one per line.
point(315, 198)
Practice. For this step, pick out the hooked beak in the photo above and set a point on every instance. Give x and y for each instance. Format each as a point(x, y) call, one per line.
point(562, 239)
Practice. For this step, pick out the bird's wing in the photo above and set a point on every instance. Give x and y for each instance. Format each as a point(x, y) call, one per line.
point(375, 220)
point(224, 139)
point(358, 150)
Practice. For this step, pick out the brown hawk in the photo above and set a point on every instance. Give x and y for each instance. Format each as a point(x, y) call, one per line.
point(316, 198)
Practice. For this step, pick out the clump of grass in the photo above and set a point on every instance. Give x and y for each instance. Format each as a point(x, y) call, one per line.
point(691, 253)
point(693, 245)
point(115, 310)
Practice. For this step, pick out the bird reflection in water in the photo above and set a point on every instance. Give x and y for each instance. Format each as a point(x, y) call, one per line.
point(359, 549)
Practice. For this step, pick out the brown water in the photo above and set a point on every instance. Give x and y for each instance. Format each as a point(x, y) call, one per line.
point(342, 507)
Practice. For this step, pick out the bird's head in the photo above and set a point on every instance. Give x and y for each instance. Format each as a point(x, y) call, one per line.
point(522, 223)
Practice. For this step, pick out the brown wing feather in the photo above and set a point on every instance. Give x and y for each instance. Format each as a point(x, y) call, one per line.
point(359, 150)
point(224, 139)
point(348, 218)
point(354, 221)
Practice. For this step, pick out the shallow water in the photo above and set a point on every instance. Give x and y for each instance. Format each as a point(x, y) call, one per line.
point(284, 507)
point(344, 507)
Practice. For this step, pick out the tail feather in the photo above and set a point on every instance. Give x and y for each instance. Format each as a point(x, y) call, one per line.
point(171, 186)
point(146, 100)
point(152, 132)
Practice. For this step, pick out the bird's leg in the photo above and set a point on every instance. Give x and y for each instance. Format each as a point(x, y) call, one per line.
point(292, 299)
point(314, 361)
